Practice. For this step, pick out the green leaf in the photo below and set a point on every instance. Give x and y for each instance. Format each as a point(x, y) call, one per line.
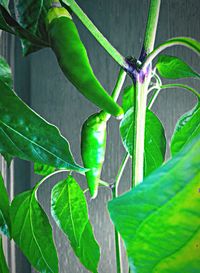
point(42, 169)
point(69, 210)
point(159, 219)
point(3, 264)
point(127, 98)
point(174, 68)
point(23, 134)
point(5, 72)
point(4, 3)
point(4, 209)
point(30, 41)
point(187, 128)
point(32, 232)
point(155, 142)
point(31, 15)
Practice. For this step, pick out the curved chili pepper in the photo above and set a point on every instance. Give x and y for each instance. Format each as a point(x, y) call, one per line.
point(93, 147)
point(73, 60)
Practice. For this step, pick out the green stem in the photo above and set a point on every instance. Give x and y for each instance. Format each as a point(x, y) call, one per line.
point(172, 42)
point(152, 21)
point(116, 91)
point(140, 97)
point(179, 85)
point(115, 194)
point(153, 98)
point(96, 33)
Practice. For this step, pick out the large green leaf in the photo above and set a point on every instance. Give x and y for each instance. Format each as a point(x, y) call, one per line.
point(4, 3)
point(26, 135)
point(174, 68)
point(32, 232)
point(155, 142)
point(31, 15)
point(187, 128)
point(69, 209)
point(4, 209)
point(5, 72)
point(159, 219)
point(3, 264)
point(31, 42)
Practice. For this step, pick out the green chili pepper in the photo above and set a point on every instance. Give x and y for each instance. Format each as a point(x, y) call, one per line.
point(93, 146)
point(73, 59)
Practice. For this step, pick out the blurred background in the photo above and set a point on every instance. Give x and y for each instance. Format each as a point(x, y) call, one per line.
point(40, 83)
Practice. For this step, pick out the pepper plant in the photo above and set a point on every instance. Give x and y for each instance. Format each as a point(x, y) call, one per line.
point(159, 218)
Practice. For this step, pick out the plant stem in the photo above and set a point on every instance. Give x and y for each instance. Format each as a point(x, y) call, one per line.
point(172, 42)
point(153, 98)
point(96, 33)
point(114, 195)
point(151, 27)
point(179, 85)
point(140, 96)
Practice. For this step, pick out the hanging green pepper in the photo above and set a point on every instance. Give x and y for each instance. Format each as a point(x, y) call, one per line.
point(73, 59)
point(93, 147)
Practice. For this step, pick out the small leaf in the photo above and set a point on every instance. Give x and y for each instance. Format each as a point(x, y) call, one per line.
point(4, 3)
point(32, 232)
point(174, 68)
point(187, 128)
point(69, 210)
point(42, 169)
point(159, 219)
point(155, 142)
point(4, 209)
point(5, 72)
point(26, 135)
point(3, 264)
point(127, 98)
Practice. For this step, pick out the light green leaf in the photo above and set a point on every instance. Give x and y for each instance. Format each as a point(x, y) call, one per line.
point(187, 128)
point(4, 209)
point(4, 3)
point(42, 169)
point(3, 264)
point(32, 232)
point(26, 135)
point(171, 67)
point(5, 72)
point(155, 142)
point(159, 219)
point(69, 210)
point(127, 98)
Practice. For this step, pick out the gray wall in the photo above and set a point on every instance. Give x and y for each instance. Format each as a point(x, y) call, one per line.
point(51, 95)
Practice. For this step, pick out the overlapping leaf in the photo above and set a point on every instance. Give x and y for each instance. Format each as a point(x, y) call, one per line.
point(171, 67)
point(155, 142)
point(3, 264)
point(26, 135)
point(159, 219)
point(42, 169)
point(69, 209)
point(4, 209)
point(187, 128)
point(127, 98)
point(32, 232)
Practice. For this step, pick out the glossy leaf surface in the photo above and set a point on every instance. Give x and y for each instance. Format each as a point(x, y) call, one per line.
point(4, 209)
point(5, 72)
point(32, 232)
point(3, 264)
point(160, 217)
point(174, 68)
point(4, 3)
point(26, 135)
point(155, 142)
point(69, 209)
point(31, 15)
point(187, 128)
